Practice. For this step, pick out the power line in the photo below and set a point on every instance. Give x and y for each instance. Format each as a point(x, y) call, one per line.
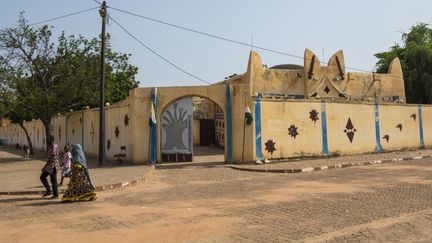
point(221, 38)
point(239, 42)
point(63, 16)
point(157, 54)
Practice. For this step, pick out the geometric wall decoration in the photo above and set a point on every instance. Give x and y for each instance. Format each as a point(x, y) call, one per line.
point(270, 146)
point(313, 115)
point(350, 130)
point(386, 137)
point(126, 120)
point(92, 132)
point(108, 142)
point(292, 131)
point(414, 116)
point(399, 126)
point(117, 132)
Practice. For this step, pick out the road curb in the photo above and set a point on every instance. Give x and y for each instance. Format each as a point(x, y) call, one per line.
point(97, 189)
point(328, 167)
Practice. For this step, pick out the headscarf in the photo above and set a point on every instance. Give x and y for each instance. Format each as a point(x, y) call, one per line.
point(78, 155)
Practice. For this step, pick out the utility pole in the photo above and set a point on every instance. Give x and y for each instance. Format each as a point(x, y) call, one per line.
point(102, 13)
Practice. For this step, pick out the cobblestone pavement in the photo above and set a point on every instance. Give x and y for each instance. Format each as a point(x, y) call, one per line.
point(19, 175)
point(377, 203)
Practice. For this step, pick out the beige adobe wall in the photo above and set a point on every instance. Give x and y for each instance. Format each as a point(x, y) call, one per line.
point(140, 99)
point(71, 128)
point(265, 80)
point(363, 119)
point(278, 116)
point(427, 124)
point(391, 116)
point(239, 93)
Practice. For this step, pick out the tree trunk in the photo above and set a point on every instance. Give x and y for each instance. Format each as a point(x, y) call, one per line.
point(48, 130)
point(28, 137)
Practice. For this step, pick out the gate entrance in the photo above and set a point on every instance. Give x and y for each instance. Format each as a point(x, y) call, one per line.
point(193, 130)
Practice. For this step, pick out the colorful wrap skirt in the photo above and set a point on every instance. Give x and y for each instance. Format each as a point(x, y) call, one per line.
point(80, 187)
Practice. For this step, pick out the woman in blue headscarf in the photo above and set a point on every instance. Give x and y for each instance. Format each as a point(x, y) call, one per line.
point(80, 187)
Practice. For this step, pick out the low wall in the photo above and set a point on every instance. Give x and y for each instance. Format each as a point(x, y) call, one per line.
point(292, 128)
point(77, 127)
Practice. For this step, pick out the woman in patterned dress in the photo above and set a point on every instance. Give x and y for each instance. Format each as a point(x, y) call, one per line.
point(80, 187)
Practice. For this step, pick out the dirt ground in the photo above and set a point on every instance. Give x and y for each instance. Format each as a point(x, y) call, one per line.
point(379, 203)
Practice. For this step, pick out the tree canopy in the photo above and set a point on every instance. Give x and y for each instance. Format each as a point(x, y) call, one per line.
point(415, 54)
point(41, 77)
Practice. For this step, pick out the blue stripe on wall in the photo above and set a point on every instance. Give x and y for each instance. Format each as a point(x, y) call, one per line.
point(420, 120)
point(153, 129)
point(229, 123)
point(378, 147)
point(258, 146)
point(325, 150)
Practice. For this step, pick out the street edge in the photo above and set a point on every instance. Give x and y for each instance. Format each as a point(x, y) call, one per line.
point(328, 167)
point(118, 185)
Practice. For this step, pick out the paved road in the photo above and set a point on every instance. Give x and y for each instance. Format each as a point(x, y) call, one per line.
point(377, 203)
point(17, 174)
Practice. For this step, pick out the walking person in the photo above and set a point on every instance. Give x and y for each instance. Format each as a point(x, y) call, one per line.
point(80, 187)
point(66, 164)
point(50, 169)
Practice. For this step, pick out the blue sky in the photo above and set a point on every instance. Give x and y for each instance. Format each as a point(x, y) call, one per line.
point(360, 28)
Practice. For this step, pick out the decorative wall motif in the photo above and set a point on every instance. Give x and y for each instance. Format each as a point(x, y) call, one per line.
point(177, 127)
point(292, 131)
point(313, 115)
point(270, 146)
point(399, 126)
point(174, 125)
point(332, 80)
point(92, 132)
point(59, 133)
point(108, 144)
point(350, 130)
point(126, 120)
point(73, 131)
point(117, 132)
point(414, 116)
point(386, 137)
point(219, 127)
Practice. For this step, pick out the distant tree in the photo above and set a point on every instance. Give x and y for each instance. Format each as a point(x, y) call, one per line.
point(10, 105)
point(415, 55)
point(46, 78)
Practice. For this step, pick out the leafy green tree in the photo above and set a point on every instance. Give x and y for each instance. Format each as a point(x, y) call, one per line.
point(10, 106)
point(415, 54)
point(47, 77)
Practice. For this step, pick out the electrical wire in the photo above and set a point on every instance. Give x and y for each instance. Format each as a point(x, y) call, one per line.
point(186, 29)
point(221, 38)
point(240, 42)
point(157, 54)
point(63, 16)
